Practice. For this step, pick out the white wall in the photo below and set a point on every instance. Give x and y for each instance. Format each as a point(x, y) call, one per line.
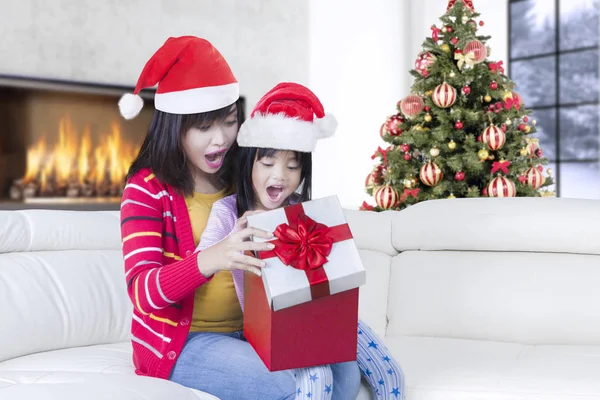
point(264, 41)
point(359, 61)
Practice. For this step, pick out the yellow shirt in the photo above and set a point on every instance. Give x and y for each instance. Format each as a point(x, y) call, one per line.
point(216, 306)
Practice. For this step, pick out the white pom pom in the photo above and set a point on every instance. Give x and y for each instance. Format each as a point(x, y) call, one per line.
point(130, 105)
point(327, 126)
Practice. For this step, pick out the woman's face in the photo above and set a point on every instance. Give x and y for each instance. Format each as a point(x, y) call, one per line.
point(205, 146)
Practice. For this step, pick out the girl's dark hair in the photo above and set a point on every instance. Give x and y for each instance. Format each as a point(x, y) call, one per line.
point(162, 150)
point(246, 156)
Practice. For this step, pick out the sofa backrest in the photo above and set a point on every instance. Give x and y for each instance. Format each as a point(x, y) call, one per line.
point(522, 270)
point(61, 281)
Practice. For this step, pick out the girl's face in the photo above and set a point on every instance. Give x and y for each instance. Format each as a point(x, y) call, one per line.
point(274, 179)
point(205, 146)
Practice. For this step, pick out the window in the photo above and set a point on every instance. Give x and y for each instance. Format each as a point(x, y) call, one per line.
point(553, 58)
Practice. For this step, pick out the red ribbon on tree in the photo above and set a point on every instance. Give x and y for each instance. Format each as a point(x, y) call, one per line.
point(381, 152)
point(497, 66)
point(467, 3)
point(435, 33)
point(500, 165)
point(304, 244)
point(408, 192)
point(509, 103)
point(366, 206)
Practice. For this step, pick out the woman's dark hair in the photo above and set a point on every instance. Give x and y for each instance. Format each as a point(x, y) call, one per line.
point(162, 150)
point(246, 156)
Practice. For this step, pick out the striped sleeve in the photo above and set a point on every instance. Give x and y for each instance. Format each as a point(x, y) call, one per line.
point(221, 222)
point(150, 284)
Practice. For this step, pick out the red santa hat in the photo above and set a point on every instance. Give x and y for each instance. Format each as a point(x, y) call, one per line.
point(192, 77)
point(288, 117)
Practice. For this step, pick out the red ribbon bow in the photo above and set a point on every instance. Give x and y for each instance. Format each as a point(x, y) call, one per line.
point(381, 152)
point(509, 103)
point(496, 66)
point(304, 244)
point(435, 33)
point(500, 165)
point(366, 206)
point(408, 192)
point(467, 3)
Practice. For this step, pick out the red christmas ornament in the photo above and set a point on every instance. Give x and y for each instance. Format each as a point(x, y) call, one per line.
point(521, 127)
point(383, 131)
point(494, 137)
point(457, 51)
point(407, 156)
point(449, 29)
point(525, 119)
point(430, 174)
point(444, 95)
point(522, 178)
point(412, 105)
point(497, 111)
point(539, 153)
point(498, 105)
point(405, 148)
point(484, 191)
point(479, 138)
point(466, 90)
point(423, 62)
point(472, 24)
point(478, 49)
point(460, 176)
point(504, 128)
point(386, 197)
point(427, 108)
point(501, 187)
point(393, 125)
point(458, 125)
point(481, 23)
point(494, 85)
point(454, 40)
point(540, 168)
point(534, 178)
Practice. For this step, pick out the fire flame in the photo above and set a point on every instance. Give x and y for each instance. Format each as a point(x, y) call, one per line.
point(75, 160)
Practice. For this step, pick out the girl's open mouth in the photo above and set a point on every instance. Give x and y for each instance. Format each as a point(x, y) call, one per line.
point(275, 192)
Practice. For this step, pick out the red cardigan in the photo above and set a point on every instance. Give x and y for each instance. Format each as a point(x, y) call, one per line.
point(161, 272)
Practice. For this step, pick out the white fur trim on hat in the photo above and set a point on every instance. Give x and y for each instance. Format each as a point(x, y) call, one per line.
point(278, 131)
point(327, 126)
point(194, 101)
point(130, 105)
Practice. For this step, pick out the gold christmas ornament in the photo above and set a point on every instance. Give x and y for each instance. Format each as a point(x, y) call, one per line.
point(548, 193)
point(452, 196)
point(523, 152)
point(508, 122)
point(483, 154)
point(452, 145)
point(507, 95)
point(487, 98)
point(452, 74)
point(410, 182)
point(549, 171)
point(465, 18)
point(434, 152)
point(427, 118)
point(444, 30)
point(428, 93)
point(445, 48)
point(527, 129)
point(533, 122)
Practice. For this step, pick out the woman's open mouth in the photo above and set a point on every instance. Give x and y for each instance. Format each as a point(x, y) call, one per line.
point(215, 160)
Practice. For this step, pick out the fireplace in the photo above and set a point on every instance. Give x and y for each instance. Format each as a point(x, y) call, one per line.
point(64, 145)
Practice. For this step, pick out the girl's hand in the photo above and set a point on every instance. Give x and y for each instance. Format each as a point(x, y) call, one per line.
point(242, 223)
point(229, 254)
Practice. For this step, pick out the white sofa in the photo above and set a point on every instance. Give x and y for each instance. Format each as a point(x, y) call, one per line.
point(477, 299)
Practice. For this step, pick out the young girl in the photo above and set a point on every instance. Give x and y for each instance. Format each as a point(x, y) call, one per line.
point(275, 168)
point(187, 321)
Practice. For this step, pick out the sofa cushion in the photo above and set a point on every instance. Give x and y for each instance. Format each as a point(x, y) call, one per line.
point(548, 225)
point(442, 369)
point(530, 298)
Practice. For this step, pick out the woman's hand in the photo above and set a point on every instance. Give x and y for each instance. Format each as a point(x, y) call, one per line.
point(229, 254)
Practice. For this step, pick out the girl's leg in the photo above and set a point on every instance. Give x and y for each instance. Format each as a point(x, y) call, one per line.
point(229, 368)
point(315, 383)
point(346, 380)
point(377, 365)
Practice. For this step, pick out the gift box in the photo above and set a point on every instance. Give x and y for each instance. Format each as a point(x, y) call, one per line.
point(303, 311)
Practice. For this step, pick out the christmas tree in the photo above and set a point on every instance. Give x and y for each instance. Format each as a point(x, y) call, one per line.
point(463, 131)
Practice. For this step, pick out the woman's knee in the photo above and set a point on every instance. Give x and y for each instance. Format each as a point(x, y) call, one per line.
point(346, 379)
